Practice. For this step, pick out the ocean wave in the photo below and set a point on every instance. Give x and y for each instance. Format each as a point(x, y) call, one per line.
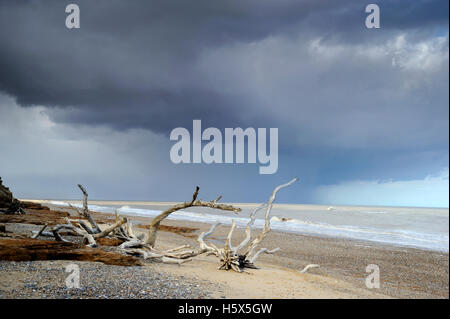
point(374, 212)
point(389, 236)
point(58, 203)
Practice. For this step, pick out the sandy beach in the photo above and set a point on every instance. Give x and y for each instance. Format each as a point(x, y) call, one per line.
point(404, 272)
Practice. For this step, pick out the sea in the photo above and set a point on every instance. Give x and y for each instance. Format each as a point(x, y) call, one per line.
point(424, 228)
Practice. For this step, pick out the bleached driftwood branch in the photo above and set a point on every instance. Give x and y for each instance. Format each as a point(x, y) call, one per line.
point(39, 232)
point(230, 257)
point(146, 247)
point(83, 229)
point(237, 258)
point(153, 229)
point(86, 214)
point(308, 267)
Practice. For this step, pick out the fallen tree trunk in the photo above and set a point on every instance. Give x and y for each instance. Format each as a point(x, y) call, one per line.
point(35, 249)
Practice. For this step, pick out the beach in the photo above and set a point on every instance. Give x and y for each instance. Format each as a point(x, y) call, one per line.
point(404, 272)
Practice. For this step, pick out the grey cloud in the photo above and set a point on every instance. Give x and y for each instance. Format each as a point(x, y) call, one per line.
point(132, 64)
point(356, 106)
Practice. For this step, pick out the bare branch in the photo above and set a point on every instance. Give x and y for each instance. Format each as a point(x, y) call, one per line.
point(130, 231)
point(86, 214)
point(248, 230)
point(153, 229)
point(266, 228)
point(131, 244)
point(177, 248)
point(39, 232)
point(214, 205)
point(76, 209)
point(308, 267)
point(84, 225)
point(263, 250)
point(202, 236)
point(110, 229)
point(228, 244)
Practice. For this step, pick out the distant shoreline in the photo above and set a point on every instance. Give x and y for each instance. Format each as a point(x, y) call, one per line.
point(284, 205)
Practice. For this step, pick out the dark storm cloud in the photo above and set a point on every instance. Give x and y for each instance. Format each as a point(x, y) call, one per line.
point(132, 63)
point(350, 103)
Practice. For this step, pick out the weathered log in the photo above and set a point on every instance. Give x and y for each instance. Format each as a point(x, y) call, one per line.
point(109, 241)
point(35, 249)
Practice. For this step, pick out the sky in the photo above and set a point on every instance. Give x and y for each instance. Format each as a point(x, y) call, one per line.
point(362, 114)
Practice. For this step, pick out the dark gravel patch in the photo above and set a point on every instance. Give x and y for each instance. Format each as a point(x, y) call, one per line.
point(47, 280)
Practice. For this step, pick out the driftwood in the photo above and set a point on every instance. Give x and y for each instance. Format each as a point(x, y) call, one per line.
point(151, 235)
point(230, 257)
point(39, 232)
point(80, 227)
point(308, 267)
point(85, 213)
point(236, 258)
point(35, 249)
point(145, 247)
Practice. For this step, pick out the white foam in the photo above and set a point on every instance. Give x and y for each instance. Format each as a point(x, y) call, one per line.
point(375, 212)
point(388, 235)
point(58, 203)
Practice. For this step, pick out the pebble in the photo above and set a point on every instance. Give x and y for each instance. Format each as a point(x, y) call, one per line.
point(44, 279)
